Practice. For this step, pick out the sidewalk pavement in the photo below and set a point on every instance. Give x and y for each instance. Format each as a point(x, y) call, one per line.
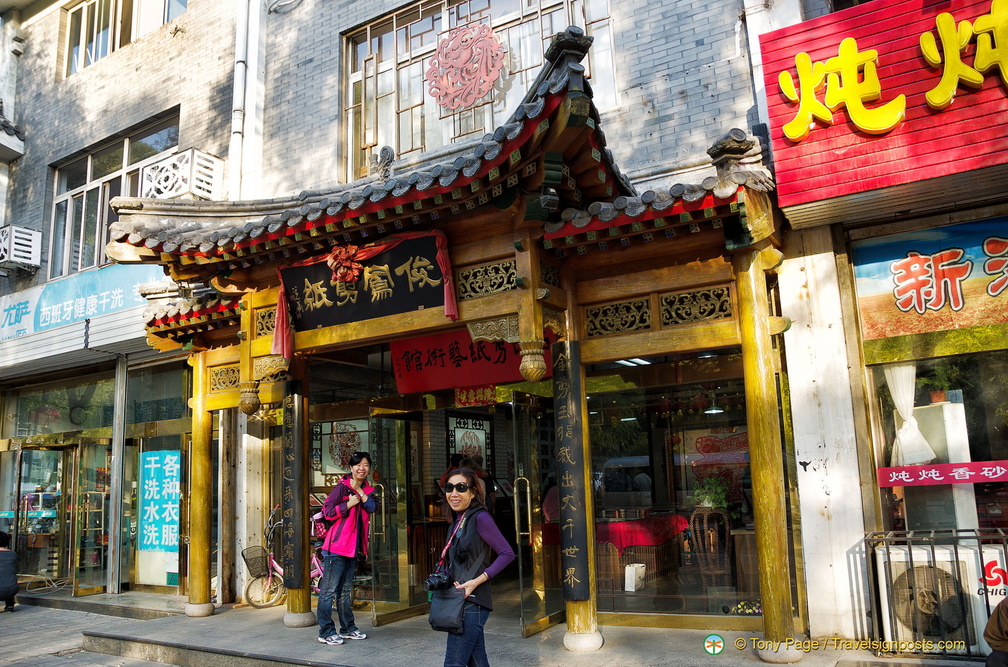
point(240, 636)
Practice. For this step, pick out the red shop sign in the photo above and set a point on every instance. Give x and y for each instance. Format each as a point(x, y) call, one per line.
point(454, 359)
point(944, 473)
point(883, 94)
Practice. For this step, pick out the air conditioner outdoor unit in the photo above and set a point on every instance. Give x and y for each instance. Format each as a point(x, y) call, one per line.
point(20, 248)
point(939, 597)
point(190, 173)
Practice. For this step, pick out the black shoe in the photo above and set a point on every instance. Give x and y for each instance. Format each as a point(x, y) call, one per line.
point(8, 608)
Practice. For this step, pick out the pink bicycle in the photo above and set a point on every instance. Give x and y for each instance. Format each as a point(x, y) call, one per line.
point(266, 587)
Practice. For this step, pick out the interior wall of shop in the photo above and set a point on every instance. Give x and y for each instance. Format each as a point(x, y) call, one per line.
point(683, 72)
point(186, 63)
point(819, 373)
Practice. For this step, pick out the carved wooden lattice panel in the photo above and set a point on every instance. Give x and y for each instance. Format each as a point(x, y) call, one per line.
point(224, 378)
point(708, 304)
point(484, 280)
point(615, 318)
point(265, 322)
point(550, 274)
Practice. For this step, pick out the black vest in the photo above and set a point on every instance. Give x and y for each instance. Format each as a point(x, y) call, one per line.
point(466, 547)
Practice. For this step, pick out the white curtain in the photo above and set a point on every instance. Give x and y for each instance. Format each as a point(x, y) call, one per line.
point(909, 447)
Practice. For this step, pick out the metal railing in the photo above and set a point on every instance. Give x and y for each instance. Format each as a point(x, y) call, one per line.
point(933, 591)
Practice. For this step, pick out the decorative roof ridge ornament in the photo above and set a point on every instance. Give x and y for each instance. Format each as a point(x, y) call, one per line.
point(573, 41)
point(737, 157)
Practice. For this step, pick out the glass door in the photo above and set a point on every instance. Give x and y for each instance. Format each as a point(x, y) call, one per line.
point(394, 594)
point(91, 499)
point(43, 529)
point(536, 514)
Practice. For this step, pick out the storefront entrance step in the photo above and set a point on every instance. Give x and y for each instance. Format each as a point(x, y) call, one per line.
point(139, 606)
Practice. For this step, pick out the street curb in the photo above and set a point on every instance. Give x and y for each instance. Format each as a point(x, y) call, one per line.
point(173, 653)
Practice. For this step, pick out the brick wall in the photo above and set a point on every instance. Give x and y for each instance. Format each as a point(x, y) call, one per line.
point(682, 71)
point(186, 64)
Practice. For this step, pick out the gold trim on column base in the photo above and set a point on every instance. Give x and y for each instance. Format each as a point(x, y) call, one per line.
point(683, 622)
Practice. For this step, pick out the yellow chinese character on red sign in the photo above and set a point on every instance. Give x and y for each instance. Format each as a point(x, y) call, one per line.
point(991, 31)
point(850, 79)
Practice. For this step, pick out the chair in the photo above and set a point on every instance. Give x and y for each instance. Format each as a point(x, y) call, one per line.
point(712, 546)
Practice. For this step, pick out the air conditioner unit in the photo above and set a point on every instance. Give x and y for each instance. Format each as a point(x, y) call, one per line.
point(940, 596)
point(190, 174)
point(20, 248)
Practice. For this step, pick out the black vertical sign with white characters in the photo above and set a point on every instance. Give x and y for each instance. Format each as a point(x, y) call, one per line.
point(574, 551)
point(292, 487)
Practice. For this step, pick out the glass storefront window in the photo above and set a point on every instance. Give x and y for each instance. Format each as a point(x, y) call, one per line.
point(65, 406)
point(673, 492)
point(42, 534)
point(157, 393)
point(959, 406)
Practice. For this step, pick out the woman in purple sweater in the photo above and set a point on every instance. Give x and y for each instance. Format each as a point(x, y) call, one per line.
point(476, 538)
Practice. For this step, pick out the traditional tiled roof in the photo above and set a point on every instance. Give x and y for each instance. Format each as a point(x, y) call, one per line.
point(179, 319)
point(681, 209)
point(240, 234)
point(551, 146)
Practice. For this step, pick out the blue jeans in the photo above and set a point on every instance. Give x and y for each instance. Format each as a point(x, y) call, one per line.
point(468, 649)
point(337, 577)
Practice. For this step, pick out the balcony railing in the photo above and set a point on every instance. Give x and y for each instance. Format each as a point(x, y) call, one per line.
point(190, 174)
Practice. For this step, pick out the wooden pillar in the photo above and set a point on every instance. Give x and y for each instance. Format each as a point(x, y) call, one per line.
point(226, 473)
point(200, 493)
point(530, 314)
point(759, 359)
point(299, 613)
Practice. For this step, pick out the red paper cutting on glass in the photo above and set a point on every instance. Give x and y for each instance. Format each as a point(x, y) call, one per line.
point(465, 66)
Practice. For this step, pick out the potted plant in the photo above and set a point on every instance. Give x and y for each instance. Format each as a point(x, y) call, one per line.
point(939, 379)
point(711, 492)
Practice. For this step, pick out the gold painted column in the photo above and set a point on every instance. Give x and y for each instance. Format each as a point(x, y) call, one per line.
point(299, 613)
point(759, 359)
point(200, 493)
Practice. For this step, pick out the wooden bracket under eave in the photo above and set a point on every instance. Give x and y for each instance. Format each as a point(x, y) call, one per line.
point(129, 254)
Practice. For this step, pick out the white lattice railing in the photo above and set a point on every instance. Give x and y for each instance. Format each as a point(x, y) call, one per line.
point(191, 173)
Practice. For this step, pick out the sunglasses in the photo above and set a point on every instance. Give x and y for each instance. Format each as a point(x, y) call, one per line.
point(461, 487)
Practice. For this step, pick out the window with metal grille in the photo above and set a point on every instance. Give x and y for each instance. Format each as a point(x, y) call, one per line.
point(387, 102)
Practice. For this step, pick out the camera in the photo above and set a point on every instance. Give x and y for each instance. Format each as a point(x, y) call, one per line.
point(437, 580)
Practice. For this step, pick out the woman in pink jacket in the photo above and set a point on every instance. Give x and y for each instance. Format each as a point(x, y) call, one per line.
point(350, 504)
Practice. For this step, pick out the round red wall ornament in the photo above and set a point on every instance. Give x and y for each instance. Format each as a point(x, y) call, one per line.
point(465, 66)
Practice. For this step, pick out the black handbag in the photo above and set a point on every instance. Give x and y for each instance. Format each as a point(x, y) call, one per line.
point(446, 609)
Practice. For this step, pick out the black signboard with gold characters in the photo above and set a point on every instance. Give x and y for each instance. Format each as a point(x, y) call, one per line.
point(292, 487)
point(570, 471)
point(401, 279)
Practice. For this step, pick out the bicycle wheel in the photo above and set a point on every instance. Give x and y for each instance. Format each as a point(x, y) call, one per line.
point(263, 592)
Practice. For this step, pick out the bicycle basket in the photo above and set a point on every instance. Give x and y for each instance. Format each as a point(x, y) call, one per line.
point(256, 560)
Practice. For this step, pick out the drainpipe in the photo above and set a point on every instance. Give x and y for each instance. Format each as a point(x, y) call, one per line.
point(236, 146)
